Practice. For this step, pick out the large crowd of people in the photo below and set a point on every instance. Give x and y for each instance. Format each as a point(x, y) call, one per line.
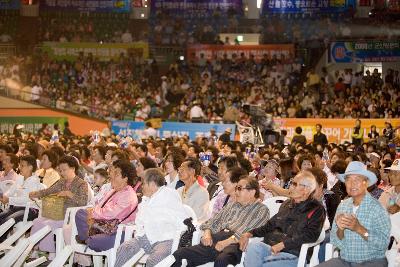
point(345, 192)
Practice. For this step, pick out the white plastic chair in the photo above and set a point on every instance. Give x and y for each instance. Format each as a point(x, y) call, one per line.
point(314, 258)
point(14, 253)
point(82, 249)
point(273, 204)
point(30, 204)
point(7, 244)
point(62, 257)
point(393, 255)
point(5, 226)
point(33, 240)
point(4, 187)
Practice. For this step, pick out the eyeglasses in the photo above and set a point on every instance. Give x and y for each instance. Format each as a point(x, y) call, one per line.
point(239, 188)
point(295, 184)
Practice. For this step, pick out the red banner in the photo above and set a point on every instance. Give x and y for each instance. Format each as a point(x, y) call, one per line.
point(210, 51)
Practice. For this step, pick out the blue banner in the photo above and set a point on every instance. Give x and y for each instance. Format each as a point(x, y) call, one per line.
point(121, 6)
point(364, 51)
point(195, 8)
point(10, 4)
point(170, 129)
point(306, 6)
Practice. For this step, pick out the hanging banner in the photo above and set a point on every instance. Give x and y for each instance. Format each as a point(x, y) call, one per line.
point(210, 51)
point(120, 6)
point(105, 52)
point(10, 4)
point(364, 51)
point(195, 8)
point(306, 6)
point(31, 124)
point(336, 130)
point(170, 129)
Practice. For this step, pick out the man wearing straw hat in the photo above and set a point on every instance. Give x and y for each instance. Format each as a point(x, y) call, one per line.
point(361, 228)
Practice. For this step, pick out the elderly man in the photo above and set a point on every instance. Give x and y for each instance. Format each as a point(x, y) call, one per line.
point(192, 193)
point(390, 199)
point(221, 233)
point(161, 214)
point(362, 227)
point(299, 220)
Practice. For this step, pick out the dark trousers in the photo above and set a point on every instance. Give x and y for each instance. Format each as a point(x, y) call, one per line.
point(17, 213)
point(200, 254)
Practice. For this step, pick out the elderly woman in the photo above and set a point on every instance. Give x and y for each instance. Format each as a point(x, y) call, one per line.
point(120, 203)
point(47, 174)
point(161, 215)
point(72, 188)
point(269, 175)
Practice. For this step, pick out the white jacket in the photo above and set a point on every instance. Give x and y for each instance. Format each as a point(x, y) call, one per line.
point(19, 192)
point(161, 216)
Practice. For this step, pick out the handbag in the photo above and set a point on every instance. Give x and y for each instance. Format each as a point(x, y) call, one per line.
point(187, 236)
point(108, 227)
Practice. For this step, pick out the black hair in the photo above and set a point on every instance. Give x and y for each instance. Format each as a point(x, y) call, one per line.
point(30, 160)
point(53, 157)
point(70, 161)
point(147, 163)
point(127, 170)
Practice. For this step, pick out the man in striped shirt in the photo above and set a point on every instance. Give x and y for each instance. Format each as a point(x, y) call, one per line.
point(221, 233)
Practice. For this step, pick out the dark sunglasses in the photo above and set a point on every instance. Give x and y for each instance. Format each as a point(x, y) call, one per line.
point(239, 188)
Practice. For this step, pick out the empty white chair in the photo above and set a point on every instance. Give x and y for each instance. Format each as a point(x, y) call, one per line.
point(12, 255)
point(62, 257)
point(15, 236)
point(5, 226)
point(273, 204)
point(33, 240)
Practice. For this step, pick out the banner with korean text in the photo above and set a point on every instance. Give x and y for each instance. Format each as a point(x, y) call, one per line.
point(196, 8)
point(170, 129)
point(364, 51)
point(105, 52)
point(306, 6)
point(31, 124)
point(336, 130)
point(258, 51)
point(117, 6)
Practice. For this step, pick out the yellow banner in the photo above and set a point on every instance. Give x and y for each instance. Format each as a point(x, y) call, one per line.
point(336, 130)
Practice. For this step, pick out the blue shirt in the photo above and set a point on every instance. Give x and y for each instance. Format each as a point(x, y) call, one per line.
point(374, 218)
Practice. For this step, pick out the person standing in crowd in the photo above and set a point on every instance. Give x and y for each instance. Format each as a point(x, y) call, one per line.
point(299, 138)
point(357, 134)
point(67, 131)
point(319, 137)
point(149, 131)
point(226, 136)
point(222, 232)
point(373, 134)
point(300, 220)
point(193, 194)
point(361, 229)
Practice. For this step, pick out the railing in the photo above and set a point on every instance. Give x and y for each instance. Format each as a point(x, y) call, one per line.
point(7, 50)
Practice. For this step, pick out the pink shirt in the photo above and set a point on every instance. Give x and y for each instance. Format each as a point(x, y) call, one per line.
point(118, 206)
point(11, 175)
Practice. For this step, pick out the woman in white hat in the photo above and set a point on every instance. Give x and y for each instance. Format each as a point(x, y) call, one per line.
point(390, 199)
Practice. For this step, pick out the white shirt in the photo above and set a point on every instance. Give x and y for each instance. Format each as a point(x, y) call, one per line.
point(161, 216)
point(19, 193)
point(171, 184)
point(150, 132)
point(197, 198)
point(36, 91)
point(332, 179)
point(196, 112)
